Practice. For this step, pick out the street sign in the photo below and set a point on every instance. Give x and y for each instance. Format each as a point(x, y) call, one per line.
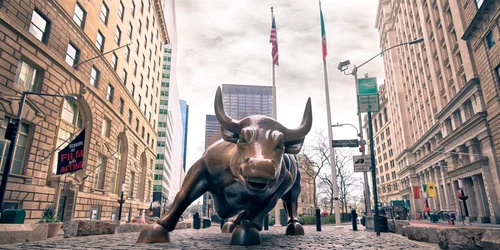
point(367, 86)
point(345, 143)
point(361, 164)
point(368, 103)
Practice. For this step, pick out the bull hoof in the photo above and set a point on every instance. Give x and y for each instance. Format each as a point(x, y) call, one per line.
point(246, 234)
point(153, 234)
point(294, 228)
point(228, 227)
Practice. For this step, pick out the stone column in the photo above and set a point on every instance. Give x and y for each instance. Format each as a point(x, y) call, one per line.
point(469, 191)
point(445, 188)
point(491, 176)
point(474, 150)
point(480, 203)
point(439, 194)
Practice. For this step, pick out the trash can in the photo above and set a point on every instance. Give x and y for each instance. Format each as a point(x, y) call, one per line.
point(363, 220)
point(384, 225)
point(13, 216)
point(434, 218)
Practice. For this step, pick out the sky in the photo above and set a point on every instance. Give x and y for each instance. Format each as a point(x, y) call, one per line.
point(227, 42)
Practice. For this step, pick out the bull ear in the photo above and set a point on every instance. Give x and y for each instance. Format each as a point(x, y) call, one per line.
point(228, 135)
point(294, 147)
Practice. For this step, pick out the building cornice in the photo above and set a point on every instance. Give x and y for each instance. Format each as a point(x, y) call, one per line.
point(473, 84)
point(162, 25)
point(478, 18)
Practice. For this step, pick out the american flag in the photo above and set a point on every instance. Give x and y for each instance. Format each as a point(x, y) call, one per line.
point(274, 42)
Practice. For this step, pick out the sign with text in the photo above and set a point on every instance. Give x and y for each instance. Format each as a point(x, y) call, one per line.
point(368, 103)
point(345, 143)
point(70, 158)
point(367, 86)
point(361, 163)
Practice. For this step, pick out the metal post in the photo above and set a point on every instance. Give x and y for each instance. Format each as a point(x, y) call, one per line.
point(374, 177)
point(121, 201)
point(10, 153)
point(365, 174)
point(318, 219)
point(266, 222)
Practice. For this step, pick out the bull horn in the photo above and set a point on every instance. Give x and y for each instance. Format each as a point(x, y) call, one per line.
point(305, 126)
point(224, 120)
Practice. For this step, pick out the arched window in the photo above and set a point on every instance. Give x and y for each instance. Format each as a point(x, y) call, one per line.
point(142, 184)
point(71, 122)
point(115, 170)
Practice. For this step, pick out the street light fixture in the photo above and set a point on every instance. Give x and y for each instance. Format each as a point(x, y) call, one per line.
point(338, 125)
point(12, 131)
point(343, 66)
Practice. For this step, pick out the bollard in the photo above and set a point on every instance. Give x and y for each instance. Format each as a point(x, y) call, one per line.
point(266, 222)
point(354, 217)
point(318, 219)
point(196, 220)
point(222, 221)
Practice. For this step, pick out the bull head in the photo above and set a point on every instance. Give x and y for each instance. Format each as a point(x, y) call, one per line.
point(261, 143)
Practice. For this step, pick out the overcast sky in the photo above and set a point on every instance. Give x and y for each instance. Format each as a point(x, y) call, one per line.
point(227, 41)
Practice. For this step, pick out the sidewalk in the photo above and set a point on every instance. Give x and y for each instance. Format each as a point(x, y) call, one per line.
point(444, 224)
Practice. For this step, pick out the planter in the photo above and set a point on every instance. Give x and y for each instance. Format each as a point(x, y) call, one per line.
point(54, 228)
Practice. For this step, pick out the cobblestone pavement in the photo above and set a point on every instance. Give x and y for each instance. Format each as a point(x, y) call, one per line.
point(329, 238)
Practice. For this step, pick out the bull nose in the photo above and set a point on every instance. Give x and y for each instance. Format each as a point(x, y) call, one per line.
point(259, 169)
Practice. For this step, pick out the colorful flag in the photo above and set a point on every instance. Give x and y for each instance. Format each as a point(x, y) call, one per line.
point(416, 192)
point(274, 41)
point(323, 33)
point(431, 189)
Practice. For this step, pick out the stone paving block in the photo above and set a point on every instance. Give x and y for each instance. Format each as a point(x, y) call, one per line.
point(461, 238)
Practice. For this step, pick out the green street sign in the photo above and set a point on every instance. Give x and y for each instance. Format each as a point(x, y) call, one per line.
point(367, 86)
point(368, 103)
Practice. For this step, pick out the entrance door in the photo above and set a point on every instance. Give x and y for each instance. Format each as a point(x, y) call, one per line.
point(60, 209)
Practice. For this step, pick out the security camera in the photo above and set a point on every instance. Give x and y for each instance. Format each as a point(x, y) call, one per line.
point(344, 65)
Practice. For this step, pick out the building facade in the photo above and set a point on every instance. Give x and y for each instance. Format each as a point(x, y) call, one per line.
point(442, 136)
point(185, 123)
point(387, 176)
point(50, 46)
point(241, 101)
point(307, 193)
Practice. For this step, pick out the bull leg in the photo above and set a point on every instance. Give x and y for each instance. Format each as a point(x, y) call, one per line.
point(290, 202)
point(232, 224)
point(194, 186)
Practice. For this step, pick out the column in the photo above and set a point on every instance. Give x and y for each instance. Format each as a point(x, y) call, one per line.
point(439, 194)
point(469, 191)
point(491, 176)
point(478, 198)
point(474, 150)
point(445, 187)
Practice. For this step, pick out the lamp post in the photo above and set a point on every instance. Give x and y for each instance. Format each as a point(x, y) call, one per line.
point(13, 138)
point(121, 201)
point(343, 66)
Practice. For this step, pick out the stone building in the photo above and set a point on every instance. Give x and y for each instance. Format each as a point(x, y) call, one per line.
point(56, 47)
point(437, 107)
point(306, 197)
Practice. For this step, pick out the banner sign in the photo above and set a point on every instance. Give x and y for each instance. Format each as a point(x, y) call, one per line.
point(431, 189)
point(70, 158)
point(416, 192)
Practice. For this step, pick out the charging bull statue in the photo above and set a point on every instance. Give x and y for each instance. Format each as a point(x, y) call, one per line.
point(247, 173)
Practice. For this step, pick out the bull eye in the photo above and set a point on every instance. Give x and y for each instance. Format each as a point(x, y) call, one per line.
point(280, 146)
point(242, 140)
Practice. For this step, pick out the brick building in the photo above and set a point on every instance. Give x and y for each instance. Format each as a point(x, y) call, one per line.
point(44, 48)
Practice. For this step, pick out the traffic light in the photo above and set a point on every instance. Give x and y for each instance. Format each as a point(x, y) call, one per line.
point(362, 148)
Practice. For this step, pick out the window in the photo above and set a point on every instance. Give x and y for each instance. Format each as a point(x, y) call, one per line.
point(127, 53)
point(143, 61)
point(137, 45)
point(497, 70)
point(130, 116)
point(132, 183)
point(110, 93)
point(118, 34)
point(135, 150)
point(124, 76)
point(490, 40)
point(142, 132)
point(479, 3)
point(122, 103)
point(142, 6)
point(147, 23)
point(133, 90)
point(99, 172)
point(94, 76)
point(72, 54)
point(113, 61)
point(19, 150)
point(39, 26)
point(106, 127)
point(132, 10)
point(79, 15)
point(134, 68)
point(130, 29)
point(99, 41)
point(136, 125)
point(140, 100)
point(28, 76)
point(140, 27)
point(120, 10)
point(104, 13)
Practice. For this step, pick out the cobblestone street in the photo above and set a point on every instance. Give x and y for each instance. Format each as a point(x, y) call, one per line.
point(329, 238)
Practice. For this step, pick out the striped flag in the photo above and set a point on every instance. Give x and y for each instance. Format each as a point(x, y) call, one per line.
point(274, 41)
point(323, 33)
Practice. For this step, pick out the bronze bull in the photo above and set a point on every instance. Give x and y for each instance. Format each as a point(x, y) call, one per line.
point(247, 173)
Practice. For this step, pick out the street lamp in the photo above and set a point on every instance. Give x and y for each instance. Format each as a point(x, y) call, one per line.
point(343, 66)
point(121, 201)
point(12, 130)
point(338, 125)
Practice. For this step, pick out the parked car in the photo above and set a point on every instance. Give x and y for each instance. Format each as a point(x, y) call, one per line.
point(138, 219)
point(151, 219)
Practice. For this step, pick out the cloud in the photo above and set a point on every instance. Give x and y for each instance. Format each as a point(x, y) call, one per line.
point(223, 41)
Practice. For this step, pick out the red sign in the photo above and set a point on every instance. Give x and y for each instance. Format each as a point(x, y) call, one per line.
point(416, 192)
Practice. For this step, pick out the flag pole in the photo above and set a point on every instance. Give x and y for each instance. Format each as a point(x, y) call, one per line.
point(329, 119)
point(275, 109)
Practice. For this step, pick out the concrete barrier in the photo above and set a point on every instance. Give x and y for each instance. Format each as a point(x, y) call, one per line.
point(19, 233)
point(76, 228)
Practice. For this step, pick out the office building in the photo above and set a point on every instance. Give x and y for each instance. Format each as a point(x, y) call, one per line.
point(185, 123)
point(442, 135)
point(241, 101)
point(56, 47)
